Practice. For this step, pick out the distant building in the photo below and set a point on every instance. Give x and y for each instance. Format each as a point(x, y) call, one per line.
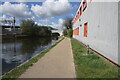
point(97, 24)
point(10, 29)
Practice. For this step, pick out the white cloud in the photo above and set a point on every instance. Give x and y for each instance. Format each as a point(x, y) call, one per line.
point(59, 25)
point(20, 0)
point(52, 8)
point(76, 6)
point(61, 21)
point(44, 21)
point(4, 17)
point(17, 10)
point(39, 24)
point(54, 25)
point(36, 22)
point(47, 22)
point(33, 18)
point(52, 17)
point(72, 15)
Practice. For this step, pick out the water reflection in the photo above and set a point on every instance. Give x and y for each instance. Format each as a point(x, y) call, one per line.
point(17, 51)
point(30, 45)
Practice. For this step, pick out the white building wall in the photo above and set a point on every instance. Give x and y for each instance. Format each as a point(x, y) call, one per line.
point(119, 33)
point(102, 18)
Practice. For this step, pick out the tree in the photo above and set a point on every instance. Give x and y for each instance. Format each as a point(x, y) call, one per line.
point(27, 26)
point(68, 26)
point(68, 23)
point(42, 31)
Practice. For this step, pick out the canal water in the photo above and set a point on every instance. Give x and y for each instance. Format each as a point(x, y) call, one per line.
point(17, 51)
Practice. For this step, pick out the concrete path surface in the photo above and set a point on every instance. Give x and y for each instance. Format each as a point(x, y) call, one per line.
point(57, 63)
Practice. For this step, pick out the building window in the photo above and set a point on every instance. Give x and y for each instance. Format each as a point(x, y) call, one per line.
point(85, 29)
point(78, 13)
point(76, 31)
point(84, 5)
point(80, 10)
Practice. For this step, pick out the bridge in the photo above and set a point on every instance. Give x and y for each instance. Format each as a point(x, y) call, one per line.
point(58, 31)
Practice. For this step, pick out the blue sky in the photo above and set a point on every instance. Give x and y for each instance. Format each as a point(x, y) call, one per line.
point(49, 12)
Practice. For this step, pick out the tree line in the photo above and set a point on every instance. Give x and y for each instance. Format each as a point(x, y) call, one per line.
point(28, 27)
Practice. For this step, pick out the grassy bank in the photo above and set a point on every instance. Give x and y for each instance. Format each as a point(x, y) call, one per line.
point(92, 65)
point(15, 73)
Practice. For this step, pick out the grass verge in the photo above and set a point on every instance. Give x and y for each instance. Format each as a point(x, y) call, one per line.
point(15, 73)
point(92, 65)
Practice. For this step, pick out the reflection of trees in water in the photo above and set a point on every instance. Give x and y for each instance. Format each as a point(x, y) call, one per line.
point(55, 38)
point(30, 45)
point(14, 47)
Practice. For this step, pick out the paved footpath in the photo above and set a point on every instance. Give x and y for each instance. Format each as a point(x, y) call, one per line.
point(57, 63)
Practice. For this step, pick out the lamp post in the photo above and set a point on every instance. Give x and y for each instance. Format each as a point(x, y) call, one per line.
point(14, 23)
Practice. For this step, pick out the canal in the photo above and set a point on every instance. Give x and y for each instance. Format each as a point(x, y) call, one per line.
point(17, 51)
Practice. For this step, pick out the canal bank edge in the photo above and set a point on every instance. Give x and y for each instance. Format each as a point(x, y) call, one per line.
point(16, 72)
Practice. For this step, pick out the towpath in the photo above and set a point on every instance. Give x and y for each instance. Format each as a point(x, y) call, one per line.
point(57, 63)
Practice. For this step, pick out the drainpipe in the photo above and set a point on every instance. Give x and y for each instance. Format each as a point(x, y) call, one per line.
point(88, 49)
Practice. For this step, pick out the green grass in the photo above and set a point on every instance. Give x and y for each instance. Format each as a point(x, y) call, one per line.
point(15, 73)
point(92, 65)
